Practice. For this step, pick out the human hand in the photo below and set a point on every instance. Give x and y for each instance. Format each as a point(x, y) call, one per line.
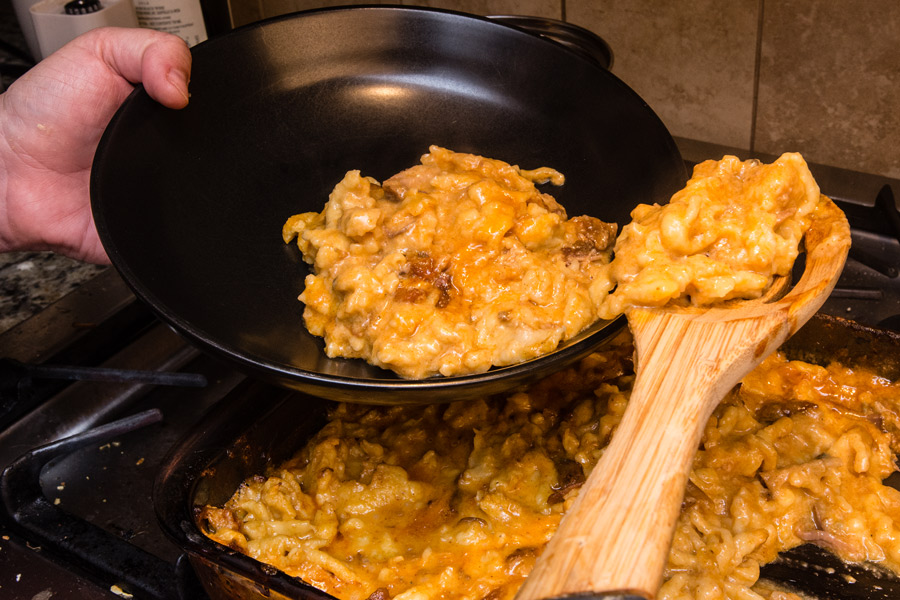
point(51, 120)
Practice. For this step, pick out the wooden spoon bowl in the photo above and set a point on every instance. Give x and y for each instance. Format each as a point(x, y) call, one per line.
point(615, 539)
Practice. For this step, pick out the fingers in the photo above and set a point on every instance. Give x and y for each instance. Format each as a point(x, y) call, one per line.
point(161, 61)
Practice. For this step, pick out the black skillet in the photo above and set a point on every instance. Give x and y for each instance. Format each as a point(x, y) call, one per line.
point(189, 204)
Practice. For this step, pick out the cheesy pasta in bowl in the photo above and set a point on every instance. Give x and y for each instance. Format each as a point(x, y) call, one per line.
point(449, 267)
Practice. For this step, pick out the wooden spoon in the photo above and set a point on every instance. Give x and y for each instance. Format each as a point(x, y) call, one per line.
point(615, 539)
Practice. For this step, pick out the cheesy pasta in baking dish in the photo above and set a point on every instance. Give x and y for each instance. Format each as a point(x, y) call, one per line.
point(457, 501)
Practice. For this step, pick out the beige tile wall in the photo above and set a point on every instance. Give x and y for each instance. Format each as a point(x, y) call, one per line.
point(821, 77)
point(694, 67)
point(830, 82)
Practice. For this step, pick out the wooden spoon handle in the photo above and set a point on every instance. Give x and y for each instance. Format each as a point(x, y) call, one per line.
point(615, 537)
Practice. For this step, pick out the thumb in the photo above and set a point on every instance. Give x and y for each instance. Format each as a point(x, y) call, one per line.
point(161, 61)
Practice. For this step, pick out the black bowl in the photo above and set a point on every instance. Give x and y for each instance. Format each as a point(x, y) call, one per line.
point(189, 204)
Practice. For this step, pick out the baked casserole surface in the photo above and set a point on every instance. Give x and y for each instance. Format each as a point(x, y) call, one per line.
point(457, 500)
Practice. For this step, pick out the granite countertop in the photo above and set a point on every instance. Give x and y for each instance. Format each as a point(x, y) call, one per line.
point(31, 281)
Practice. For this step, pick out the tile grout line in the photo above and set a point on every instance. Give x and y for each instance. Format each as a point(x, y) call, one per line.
point(756, 70)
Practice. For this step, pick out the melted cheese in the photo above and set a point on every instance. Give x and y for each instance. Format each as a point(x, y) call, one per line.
point(450, 267)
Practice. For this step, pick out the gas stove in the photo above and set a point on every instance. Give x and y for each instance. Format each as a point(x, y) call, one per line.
point(82, 444)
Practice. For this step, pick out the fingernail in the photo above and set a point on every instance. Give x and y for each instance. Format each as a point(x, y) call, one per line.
point(178, 79)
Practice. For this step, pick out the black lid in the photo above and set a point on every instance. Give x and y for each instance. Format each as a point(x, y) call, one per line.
point(82, 7)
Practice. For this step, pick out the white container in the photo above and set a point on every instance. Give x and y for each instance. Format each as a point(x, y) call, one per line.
point(54, 28)
point(184, 18)
point(23, 15)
